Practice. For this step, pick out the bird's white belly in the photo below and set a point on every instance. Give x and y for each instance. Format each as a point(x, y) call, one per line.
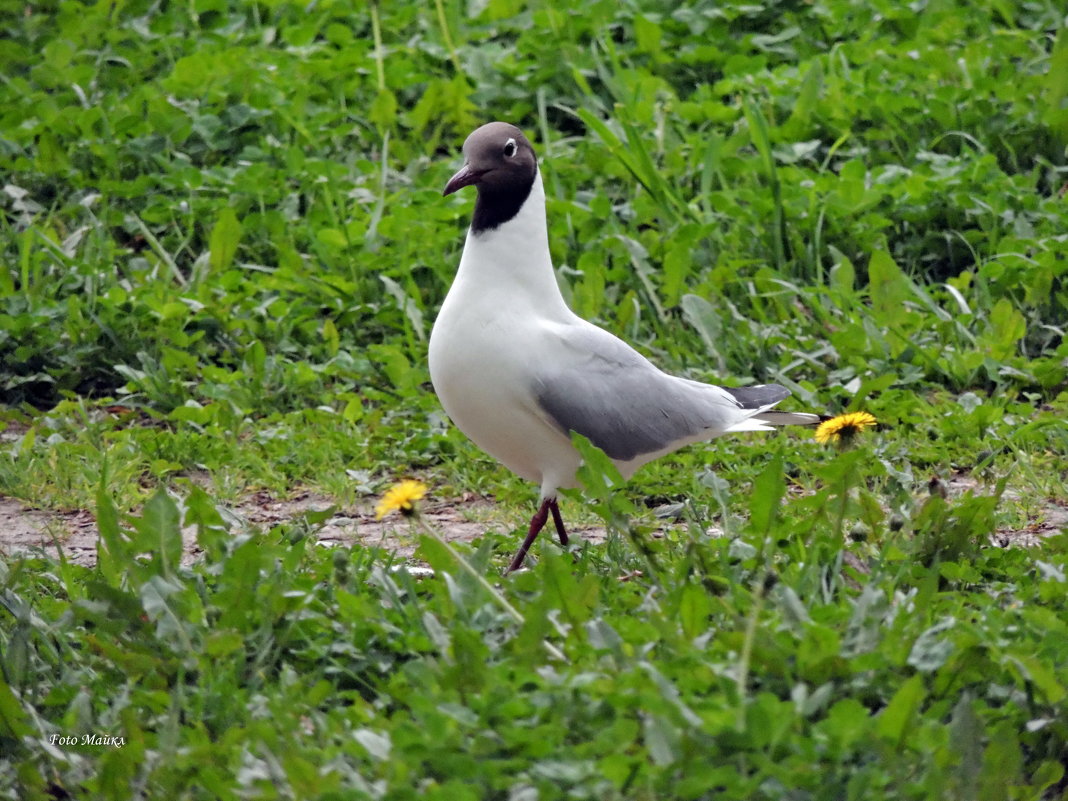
point(478, 372)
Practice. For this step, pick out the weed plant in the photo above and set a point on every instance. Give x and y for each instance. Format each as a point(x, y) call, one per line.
point(222, 245)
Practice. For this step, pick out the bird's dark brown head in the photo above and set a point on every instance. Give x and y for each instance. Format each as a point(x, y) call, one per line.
point(500, 162)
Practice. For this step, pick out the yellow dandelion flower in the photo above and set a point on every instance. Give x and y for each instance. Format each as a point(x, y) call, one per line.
point(844, 427)
point(400, 497)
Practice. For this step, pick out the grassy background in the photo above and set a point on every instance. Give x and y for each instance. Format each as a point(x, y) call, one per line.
point(223, 247)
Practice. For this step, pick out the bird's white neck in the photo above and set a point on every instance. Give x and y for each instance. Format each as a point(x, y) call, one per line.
point(515, 255)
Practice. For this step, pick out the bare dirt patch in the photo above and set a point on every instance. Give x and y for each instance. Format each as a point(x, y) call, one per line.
point(25, 529)
point(22, 529)
point(1048, 516)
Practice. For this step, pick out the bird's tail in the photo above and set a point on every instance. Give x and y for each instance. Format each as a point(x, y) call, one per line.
point(788, 418)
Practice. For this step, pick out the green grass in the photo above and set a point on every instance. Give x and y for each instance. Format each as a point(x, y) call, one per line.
point(223, 246)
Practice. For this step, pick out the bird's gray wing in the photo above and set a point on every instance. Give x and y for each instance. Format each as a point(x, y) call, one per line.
point(759, 396)
point(602, 388)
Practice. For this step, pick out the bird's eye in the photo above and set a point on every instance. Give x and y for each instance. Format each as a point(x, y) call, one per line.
point(509, 148)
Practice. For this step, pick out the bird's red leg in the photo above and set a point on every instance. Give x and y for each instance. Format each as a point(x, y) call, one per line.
point(559, 521)
point(536, 524)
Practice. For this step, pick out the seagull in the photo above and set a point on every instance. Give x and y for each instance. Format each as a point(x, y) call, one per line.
point(517, 371)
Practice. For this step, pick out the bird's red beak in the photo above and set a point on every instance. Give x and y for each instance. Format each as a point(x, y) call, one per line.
point(465, 177)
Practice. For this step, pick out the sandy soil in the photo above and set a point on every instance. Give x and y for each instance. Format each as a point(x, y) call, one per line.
point(24, 529)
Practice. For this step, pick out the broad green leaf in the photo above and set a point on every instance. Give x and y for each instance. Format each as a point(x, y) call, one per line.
point(662, 739)
point(602, 636)
point(51, 156)
point(848, 722)
point(896, 719)
point(1043, 677)
point(589, 293)
point(767, 492)
point(1046, 775)
point(212, 531)
point(818, 650)
point(156, 599)
point(1002, 761)
point(679, 263)
point(760, 132)
point(694, 609)
point(14, 723)
point(436, 555)
point(408, 304)
point(932, 648)
point(598, 474)
point(378, 744)
point(670, 693)
point(395, 363)
point(111, 543)
point(1007, 327)
point(160, 530)
point(887, 286)
point(332, 237)
point(222, 643)
point(869, 387)
point(225, 237)
point(575, 599)
point(1056, 94)
point(966, 739)
point(437, 633)
point(383, 111)
point(808, 96)
point(842, 275)
point(331, 337)
point(646, 33)
point(703, 317)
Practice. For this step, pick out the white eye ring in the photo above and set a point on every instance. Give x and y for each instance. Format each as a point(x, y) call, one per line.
point(510, 148)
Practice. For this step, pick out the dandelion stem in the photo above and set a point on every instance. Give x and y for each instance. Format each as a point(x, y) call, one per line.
point(747, 645)
point(376, 33)
point(447, 36)
point(510, 610)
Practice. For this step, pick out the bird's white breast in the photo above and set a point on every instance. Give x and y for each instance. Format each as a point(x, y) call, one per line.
point(488, 341)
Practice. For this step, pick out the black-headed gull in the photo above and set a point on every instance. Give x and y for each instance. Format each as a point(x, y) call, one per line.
point(516, 370)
